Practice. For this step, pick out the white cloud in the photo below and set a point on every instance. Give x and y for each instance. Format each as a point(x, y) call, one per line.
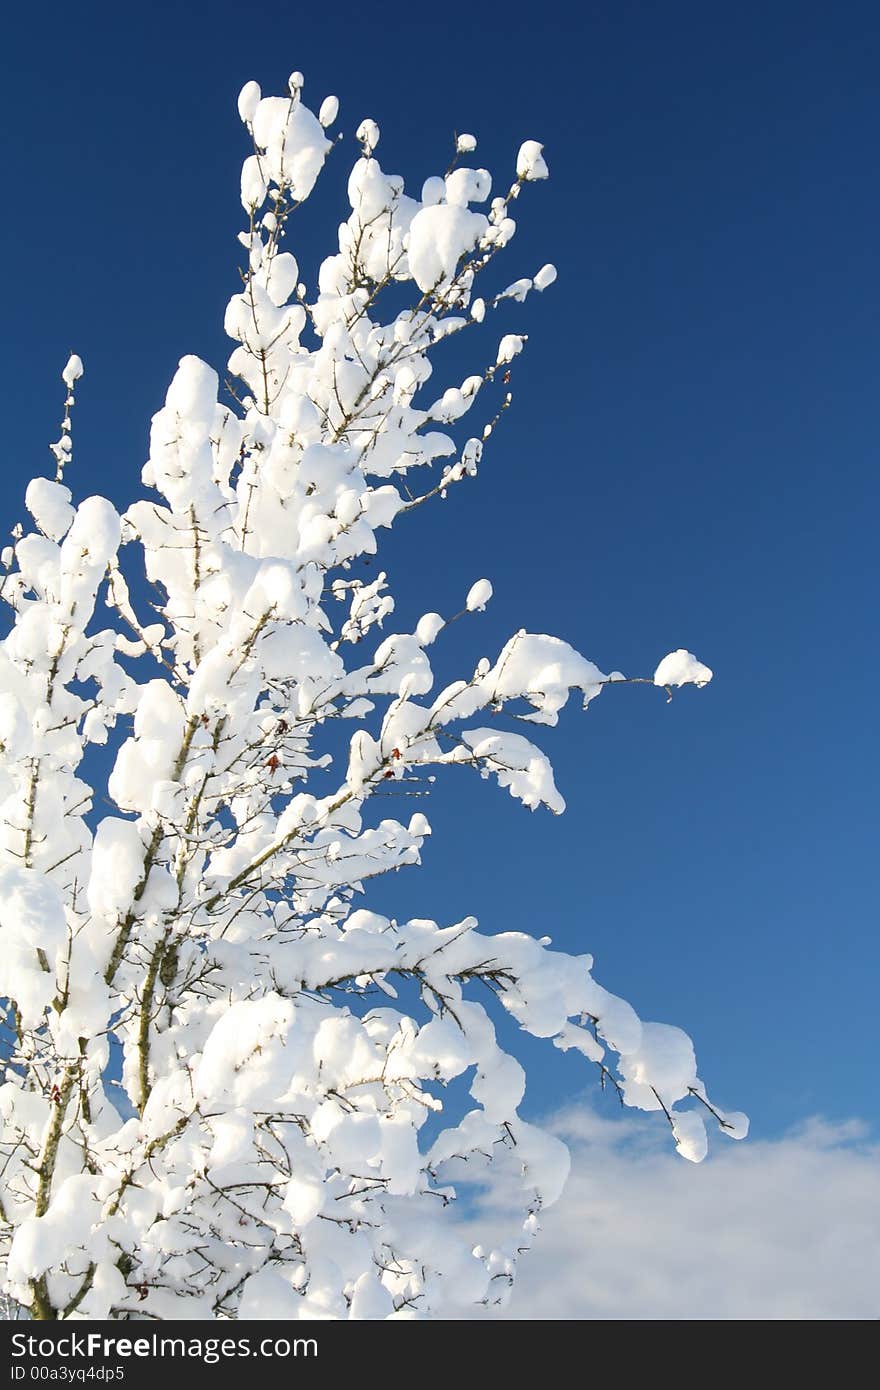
point(785, 1229)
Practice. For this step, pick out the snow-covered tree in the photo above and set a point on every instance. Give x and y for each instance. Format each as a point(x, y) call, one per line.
point(187, 908)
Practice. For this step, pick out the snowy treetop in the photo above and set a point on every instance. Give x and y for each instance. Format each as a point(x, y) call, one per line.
point(200, 915)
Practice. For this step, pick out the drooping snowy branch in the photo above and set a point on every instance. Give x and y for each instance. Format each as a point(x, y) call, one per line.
point(222, 1066)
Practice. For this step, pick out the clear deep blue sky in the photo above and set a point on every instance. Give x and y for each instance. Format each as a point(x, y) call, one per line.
point(692, 458)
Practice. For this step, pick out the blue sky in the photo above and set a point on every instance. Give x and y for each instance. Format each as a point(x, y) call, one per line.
point(690, 461)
